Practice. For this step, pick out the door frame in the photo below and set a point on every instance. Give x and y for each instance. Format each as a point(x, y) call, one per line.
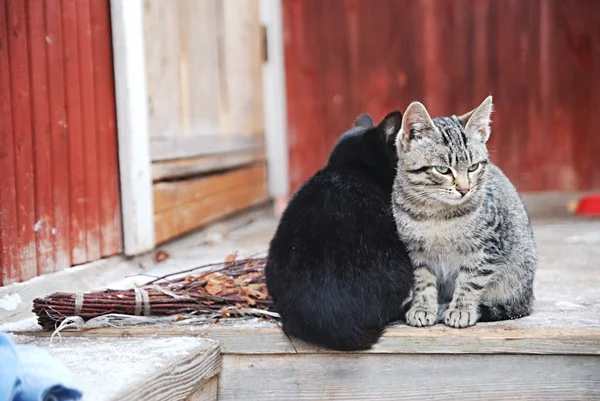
point(132, 117)
point(137, 203)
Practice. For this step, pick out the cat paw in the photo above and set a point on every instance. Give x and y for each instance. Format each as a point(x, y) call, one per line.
point(421, 317)
point(460, 318)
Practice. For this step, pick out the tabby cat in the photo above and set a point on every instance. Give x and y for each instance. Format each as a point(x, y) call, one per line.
point(465, 227)
point(336, 269)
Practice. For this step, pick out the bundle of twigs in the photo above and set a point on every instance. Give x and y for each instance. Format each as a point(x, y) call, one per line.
point(232, 288)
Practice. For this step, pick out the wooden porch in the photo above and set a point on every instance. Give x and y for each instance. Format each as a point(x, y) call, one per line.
point(552, 354)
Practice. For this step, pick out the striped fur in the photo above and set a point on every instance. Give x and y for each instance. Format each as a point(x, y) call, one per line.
point(475, 253)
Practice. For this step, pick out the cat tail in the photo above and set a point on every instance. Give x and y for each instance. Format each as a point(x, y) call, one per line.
point(506, 311)
point(338, 338)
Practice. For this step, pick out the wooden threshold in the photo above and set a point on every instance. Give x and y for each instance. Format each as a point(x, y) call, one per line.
point(396, 340)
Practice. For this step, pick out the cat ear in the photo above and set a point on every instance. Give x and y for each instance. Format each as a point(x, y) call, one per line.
point(364, 121)
point(390, 125)
point(478, 121)
point(416, 123)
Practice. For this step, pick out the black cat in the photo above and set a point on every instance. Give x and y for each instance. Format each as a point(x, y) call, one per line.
point(336, 268)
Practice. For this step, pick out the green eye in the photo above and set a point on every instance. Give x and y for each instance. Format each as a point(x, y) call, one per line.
point(473, 167)
point(442, 169)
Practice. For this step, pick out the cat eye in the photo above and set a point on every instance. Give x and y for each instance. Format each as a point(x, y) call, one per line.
point(442, 169)
point(473, 167)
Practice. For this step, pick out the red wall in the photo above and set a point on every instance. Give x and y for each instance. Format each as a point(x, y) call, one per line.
point(540, 59)
point(59, 200)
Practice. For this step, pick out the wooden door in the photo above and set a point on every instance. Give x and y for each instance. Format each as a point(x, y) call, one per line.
point(203, 67)
point(59, 196)
point(538, 58)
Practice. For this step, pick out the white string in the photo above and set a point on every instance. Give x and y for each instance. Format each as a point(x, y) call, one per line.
point(78, 304)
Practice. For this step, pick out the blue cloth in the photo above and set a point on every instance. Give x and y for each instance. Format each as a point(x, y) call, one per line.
point(29, 373)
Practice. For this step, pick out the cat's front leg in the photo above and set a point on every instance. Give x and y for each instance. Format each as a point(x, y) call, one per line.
point(463, 311)
point(424, 307)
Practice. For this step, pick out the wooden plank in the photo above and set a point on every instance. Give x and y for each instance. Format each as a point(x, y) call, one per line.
point(204, 208)
point(199, 24)
point(157, 369)
point(180, 147)
point(44, 213)
point(274, 99)
point(88, 126)
point(241, 64)
point(9, 260)
point(401, 340)
point(170, 195)
point(111, 241)
point(132, 120)
point(74, 130)
point(162, 170)
point(23, 137)
point(179, 380)
point(162, 68)
point(61, 229)
point(207, 391)
point(390, 377)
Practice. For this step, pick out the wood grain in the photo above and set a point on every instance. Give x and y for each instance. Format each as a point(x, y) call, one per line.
point(182, 206)
point(74, 131)
point(23, 137)
point(409, 377)
point(111, 240)
point(405, 340)
point(44, 213)
point(9, 262)
point(51, 185)
point(536, 58)
point(178, 381)
point(182, 168)
point(59, 134)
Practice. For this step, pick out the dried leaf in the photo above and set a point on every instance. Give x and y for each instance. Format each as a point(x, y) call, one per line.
point(214, 289)
point(160, 256)
point(230, 259)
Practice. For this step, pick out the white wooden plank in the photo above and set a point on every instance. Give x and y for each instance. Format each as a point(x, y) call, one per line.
point(133, 369)
point(241, 63)
point(132, 125)
point(408, 377)
point(274, 98)
point(192, 166)
point(199, 24)
point(180, 147)
point(163, 68)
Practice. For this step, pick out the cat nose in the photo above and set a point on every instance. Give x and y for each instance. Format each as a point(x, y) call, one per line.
point(463, 191)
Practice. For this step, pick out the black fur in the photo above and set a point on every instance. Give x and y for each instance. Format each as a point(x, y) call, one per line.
point(336, 268)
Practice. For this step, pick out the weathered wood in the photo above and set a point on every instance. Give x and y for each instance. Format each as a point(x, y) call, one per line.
point(208, 391)
point(132, 119)
point(205, 164)
point(408, 377)
point(184, 205)
point(180, 380)
point(73, 128)
point(9, 247)
point(241, 69)
point(170, 148)
point(199, 31)
point(138, 369)
point(111, 239)
point(401, 340)
point(17, 53)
